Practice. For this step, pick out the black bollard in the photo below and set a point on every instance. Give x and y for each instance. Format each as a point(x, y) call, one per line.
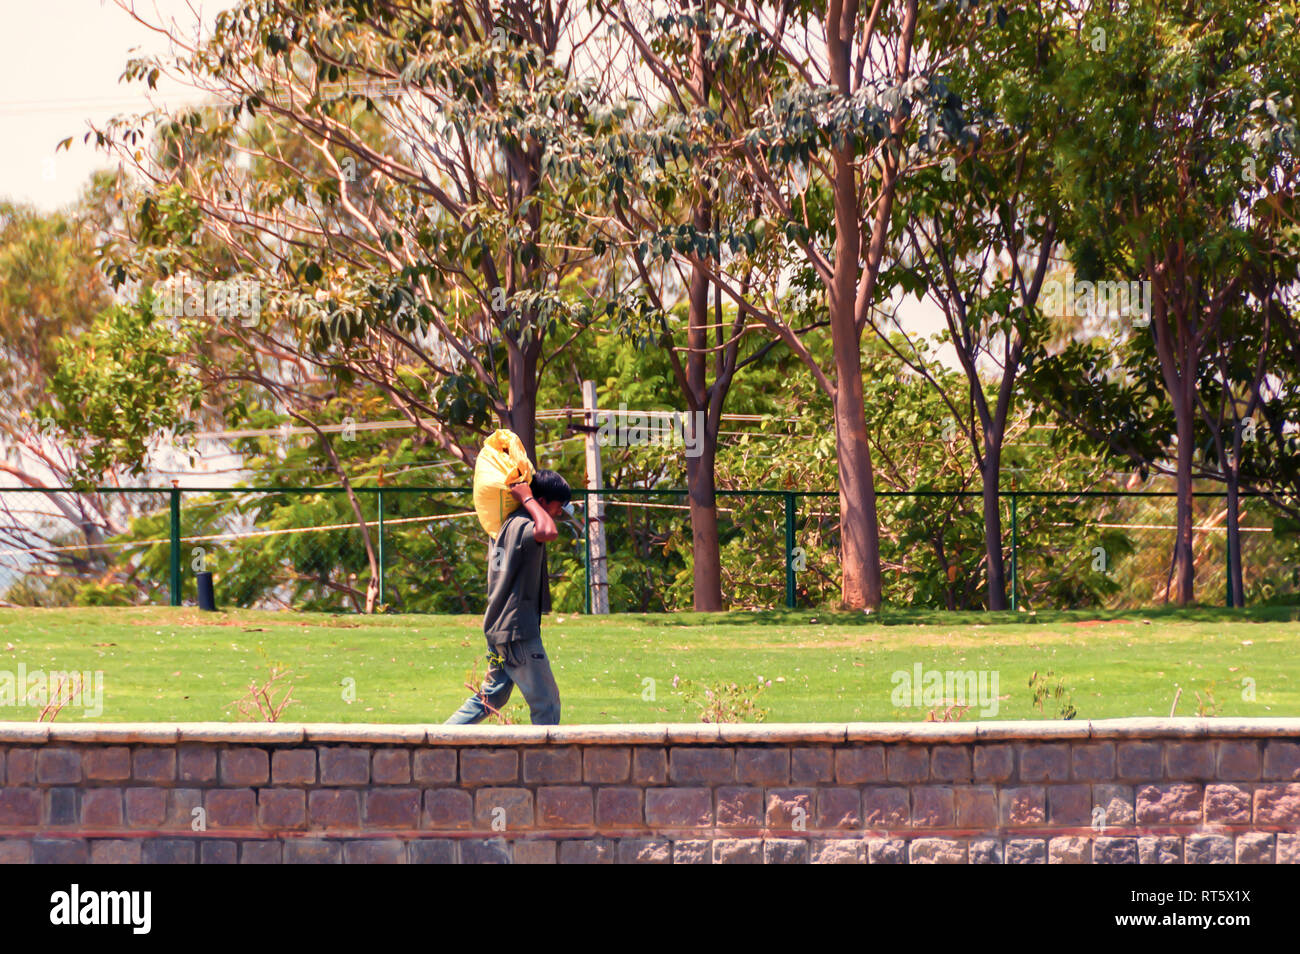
point(207, 593)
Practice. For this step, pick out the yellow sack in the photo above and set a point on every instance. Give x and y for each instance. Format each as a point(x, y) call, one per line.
point(501, 464)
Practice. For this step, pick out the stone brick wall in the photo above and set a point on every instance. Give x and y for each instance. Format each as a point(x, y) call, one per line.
point(1128, 791)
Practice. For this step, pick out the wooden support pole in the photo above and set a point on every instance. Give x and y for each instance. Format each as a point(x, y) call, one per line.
point(595, 516)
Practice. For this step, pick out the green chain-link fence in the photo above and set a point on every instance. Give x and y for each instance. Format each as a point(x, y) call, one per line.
point(302, 548)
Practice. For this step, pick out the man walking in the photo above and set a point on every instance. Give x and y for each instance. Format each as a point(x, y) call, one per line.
point(519, 592)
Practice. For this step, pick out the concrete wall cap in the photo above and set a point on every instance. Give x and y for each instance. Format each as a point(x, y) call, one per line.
point(703, 733)
point(486, 734)
point(158, 732)
point(608, 734)
point(24, 731)
point(782, 732)
point(918, 732)
point(364, 732)
point(261, 732)
point(1045, 731)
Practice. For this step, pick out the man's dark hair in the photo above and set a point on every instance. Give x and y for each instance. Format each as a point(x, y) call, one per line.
point(548, 485)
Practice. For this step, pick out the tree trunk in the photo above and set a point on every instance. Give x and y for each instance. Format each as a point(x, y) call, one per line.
point(523, 396)
point(1184, 566)
point(993, 524)
point(859, 535)
point(860, 578)
point(1235, 582)
point(700, 480)
point(522, 355)
point(700, 475)
point(372, 557)
point(1178, 369)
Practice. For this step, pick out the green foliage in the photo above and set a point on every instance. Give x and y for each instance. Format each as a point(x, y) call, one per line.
point(1177, 167)
point(1044, 690)
point(724, 701)
point(49, 287)
point(382, 254)
point(121, 383)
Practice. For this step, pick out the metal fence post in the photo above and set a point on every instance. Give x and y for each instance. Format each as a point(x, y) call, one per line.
point(1015, 546)
point(383, 593)
point(175, 494)
point(789, 550)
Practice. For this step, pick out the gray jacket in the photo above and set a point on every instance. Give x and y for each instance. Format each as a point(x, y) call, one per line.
point(519, 591)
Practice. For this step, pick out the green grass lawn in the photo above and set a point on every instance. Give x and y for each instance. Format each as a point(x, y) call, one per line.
point(164, 664)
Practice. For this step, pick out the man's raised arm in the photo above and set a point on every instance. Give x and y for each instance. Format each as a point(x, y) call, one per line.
point(544, 527)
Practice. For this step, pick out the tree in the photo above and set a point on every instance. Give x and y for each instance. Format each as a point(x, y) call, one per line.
point(1175, 157)
point(399, 184)
point(395, 188)
point(978, 238)
point(824, 144)
point(675, 194)
point(51, 291)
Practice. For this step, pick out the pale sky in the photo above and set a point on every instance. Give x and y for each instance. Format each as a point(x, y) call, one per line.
point(60, 61)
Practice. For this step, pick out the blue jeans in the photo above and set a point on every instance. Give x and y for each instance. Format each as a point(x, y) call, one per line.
point(523, 663)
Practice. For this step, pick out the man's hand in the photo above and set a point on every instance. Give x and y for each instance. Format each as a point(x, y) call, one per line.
point(544, 529)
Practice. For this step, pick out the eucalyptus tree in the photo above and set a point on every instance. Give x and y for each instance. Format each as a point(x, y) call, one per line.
point(399, 182)
point(396, 183)
point(1176, 158)
point(845, 111)
point(1245, 407)
point(678, 206)
point(51, 293)
point(977, 239)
